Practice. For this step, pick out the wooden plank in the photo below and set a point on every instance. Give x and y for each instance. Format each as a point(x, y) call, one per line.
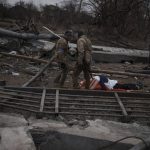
point(121, 104)
point(43, 100)
point(57, 101)
point(39, 73)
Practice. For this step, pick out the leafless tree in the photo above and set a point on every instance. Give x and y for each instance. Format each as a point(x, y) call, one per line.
point(124, 16)
point(4, 2)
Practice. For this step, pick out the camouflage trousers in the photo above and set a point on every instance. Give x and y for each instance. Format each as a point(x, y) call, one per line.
point(78, 69)
point(61, 77)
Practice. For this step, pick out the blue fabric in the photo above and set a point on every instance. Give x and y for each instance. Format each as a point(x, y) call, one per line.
point(103, 79)
point(61, 50)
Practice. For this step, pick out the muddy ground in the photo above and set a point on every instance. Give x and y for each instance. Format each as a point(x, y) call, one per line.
point(10, 66)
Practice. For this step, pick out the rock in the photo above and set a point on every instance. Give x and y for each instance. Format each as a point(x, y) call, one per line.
point(46, 124)
point(15, 74)
point(127, 63)
point(16, 139)
point(72, 122)
point(33, 69)
point(83, 124)
point(13, 52)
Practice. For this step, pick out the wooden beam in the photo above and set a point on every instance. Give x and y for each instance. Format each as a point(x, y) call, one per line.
point(43, 100)
point(51, 32)
point(124, 112)
point(39, 73)
point(57, 101)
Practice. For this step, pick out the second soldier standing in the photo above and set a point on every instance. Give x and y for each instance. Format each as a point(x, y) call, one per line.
point(84, 48)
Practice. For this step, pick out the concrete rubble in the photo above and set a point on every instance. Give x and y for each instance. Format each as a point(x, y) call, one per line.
point(98, 130)
point(17, 133)
point(14, 133)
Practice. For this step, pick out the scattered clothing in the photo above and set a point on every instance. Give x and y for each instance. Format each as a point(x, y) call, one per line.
point(102, 82)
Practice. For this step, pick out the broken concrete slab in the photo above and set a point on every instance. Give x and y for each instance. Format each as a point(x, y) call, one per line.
point(16, 139)
point(14, 133)
point(115, 55)
point(61, 141)
point(12, 120)
point(99, 129)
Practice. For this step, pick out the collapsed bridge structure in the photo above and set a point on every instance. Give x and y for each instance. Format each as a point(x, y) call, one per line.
point(119, 106)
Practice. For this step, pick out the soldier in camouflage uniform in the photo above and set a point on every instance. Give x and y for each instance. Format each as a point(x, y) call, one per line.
point(61, 52)
point(84, 48)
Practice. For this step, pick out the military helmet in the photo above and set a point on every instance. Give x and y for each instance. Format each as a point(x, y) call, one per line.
point(68, 33)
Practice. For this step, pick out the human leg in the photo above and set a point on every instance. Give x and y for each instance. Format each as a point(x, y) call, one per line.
point(78, 69)
point(127, 86)
point(63, 75)
point(86, 75)
point(57, 79)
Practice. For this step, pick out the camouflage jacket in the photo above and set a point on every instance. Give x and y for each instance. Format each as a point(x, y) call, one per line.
point(61, 50)
point(84, 47)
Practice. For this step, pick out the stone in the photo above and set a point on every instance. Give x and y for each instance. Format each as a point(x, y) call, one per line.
point(16, 139)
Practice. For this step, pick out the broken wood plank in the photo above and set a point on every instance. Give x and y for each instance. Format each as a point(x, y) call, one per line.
point(124, 112)
point(39, 73)
point(51, 32)
point(57, 101)
point(43, 100)
point(24, 57)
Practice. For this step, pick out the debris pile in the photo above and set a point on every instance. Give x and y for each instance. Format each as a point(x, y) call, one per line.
point(27, 72)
